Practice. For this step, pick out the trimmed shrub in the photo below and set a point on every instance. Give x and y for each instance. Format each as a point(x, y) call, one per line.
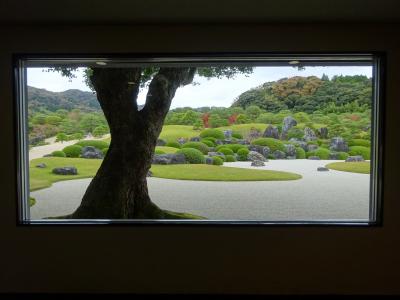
point(193, 156)
point(226, 151)
point(210, 138)
point(230, 158)
point(158, 151)
point(237, 135)
point(173, 144)
point(94, 143)
point(295, 132)
point(300, 153)
point(342, 155)
point(242, 154)
point(104, 150)
point(72, 151)
point(234, 147)
point(58, 154)
point(365, 152)
point(322, 153)
point(215, 133)
point(203, 148)
point(359, 142)
point(217, 161)
point(273, 144)
point(208, 143)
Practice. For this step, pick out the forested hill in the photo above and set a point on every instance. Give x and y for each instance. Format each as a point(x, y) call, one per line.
point(308, 94)
point(41, 100)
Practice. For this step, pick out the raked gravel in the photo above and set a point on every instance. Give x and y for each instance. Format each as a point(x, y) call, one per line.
point(329, 195)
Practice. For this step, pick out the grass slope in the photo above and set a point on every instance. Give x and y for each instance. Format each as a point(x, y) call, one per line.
point(244, 129)
point(167, 149)
point(218, 173)
point(355, 167)
point(43, 178)
point(173, 132)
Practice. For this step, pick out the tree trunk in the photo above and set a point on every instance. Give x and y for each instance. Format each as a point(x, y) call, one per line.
point(119, 189)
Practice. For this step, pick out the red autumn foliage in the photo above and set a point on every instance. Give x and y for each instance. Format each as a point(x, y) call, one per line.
point(205, 117)
point(232, 119)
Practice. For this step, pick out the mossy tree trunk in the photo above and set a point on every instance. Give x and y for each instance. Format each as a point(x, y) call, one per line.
point(119, 189)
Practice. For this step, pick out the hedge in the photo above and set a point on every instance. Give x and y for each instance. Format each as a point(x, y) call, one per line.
point(300, 153)
point(217, 161)
point(94, 143)
point(365, 152)
point(203, 148)
point(272, 143)
point(225, 151)
point(192, 155)
point(173, 144)
point(230, 158)
point(72, 151)
point(215, 133)
point(58, 154)
point(233, 147)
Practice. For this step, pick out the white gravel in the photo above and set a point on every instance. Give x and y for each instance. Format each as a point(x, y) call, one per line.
point(329, 195)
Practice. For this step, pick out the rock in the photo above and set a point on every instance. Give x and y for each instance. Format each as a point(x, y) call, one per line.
point(290, 150)
point(181, 140)
point(309, 134)
point(253, 134)
point(169, 159)
point(253, 155)
point(219, 154)
point(312, 147)
point(288, 122)
point(48, 155)
point(226, 142)
point(299, 143)
point(243, 142)
point(36, 139)
point(323, 132)
point(314, 158)
point(91, 152)
point(334, 155)
point(257, 163)
point(338, 144)
point(209, 160)
point(41, 165)
point(212, 149)
point(354, 158)
point(149, 173)
point(228, 134)
point(219, 142)
point(65, 171)
point(322, 169)
point(265, 151)
point(195, 139)
point(272, 132)
point(278, 154)
point(161, 142)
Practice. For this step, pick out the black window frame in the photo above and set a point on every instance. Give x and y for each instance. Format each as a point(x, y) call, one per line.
point(377, 128)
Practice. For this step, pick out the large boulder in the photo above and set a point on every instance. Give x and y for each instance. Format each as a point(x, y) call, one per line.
point(338, 144)
point(355, 158)
point(311, 147)
point(309, 134)
point(65, 171)
point(322, 169)
point(271, 132)
point(209, 160)
point(290, 150)
point(169, 159)
point(219, 154)
point(195, 139)
point(257, 163)
point(91, 152)
point(323, 132)
point(181, 140)
point(278, 154)
point(264, 150)
point(334, 155)
point(228, 134)
point(314, 158)
point(41, 165)
point(299, 143)
point(253, 156)
point(161, 142)
point(288, 122)
point(242, 142)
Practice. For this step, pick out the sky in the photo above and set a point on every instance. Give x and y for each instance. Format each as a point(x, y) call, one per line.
point(208, 92)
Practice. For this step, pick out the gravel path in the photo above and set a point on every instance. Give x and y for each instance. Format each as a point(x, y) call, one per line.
point(332, 195)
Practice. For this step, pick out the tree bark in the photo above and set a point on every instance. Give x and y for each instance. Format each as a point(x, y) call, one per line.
point(119, 189)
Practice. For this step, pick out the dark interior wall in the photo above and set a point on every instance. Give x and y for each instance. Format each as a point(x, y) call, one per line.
point(268, 260)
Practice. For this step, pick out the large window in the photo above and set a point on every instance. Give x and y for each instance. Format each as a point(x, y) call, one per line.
point(263, 139)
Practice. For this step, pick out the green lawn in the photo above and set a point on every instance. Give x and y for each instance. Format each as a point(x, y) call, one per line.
point(167, 149)
point(173, 132)
point(244, 129)
point(218, 173)
point(355, 167)
point(43, 178)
